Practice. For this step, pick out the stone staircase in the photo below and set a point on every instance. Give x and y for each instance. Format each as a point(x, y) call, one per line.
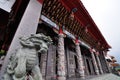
point(100, 77)
point(107, 77)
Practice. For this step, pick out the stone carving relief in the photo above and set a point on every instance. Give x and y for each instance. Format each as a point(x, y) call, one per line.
point(23, 64)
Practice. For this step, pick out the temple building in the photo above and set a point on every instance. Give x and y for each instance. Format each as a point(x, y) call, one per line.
point(111, 60)
point(78, 48)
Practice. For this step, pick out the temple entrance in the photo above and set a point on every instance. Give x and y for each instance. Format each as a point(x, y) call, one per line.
point(88, 62)
point(48, 61)
point(70, 58)
point(88, 67)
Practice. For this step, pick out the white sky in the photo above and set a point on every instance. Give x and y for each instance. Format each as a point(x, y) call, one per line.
point(106, 15)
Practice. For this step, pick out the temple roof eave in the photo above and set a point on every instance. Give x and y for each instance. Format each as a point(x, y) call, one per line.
point(60, 11)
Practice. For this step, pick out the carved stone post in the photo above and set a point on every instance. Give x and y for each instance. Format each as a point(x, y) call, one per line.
point(94, 62)
point(107, 65)
point(99, 63)
point(61, 57)
point(79, 60)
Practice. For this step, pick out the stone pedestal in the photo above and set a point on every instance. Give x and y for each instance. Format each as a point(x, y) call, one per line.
point(61, 58)
point(80, 61)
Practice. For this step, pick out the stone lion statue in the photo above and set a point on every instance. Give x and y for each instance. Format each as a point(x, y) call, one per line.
point(23, 64)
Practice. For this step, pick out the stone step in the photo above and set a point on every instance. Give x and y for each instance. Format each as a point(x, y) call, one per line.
point(107, 77)
point(100, 77)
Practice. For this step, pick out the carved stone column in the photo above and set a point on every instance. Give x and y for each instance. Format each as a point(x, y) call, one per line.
point(94, 62)
point(80, 60)
point(99, 63)
point(107, 65)
point(61, 58)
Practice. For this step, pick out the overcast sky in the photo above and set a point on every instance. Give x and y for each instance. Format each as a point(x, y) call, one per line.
point(106, 15)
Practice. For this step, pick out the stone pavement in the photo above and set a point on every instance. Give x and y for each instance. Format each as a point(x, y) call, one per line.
point(106, 77)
